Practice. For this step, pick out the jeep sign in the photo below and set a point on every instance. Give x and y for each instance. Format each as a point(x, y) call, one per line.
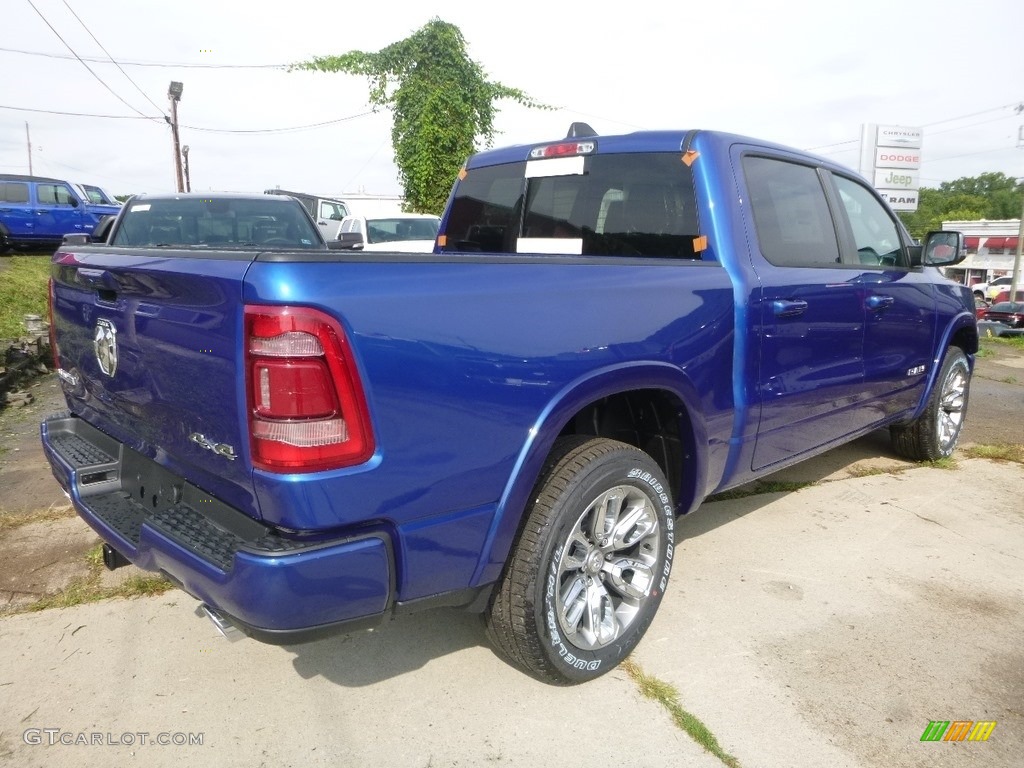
point(892, 178)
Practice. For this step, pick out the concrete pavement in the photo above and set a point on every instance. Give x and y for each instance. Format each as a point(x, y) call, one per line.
point(823, 627)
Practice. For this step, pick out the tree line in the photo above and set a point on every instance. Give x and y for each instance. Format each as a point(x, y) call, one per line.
point(993, 196)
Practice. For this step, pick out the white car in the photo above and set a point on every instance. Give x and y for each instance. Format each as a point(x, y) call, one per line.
point(95, 195)
point(403, 232)
point(989, 291)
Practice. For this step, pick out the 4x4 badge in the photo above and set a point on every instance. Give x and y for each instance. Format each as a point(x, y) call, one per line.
point(104, 342)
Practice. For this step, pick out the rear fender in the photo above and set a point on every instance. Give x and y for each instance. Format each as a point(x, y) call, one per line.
point(576, 396)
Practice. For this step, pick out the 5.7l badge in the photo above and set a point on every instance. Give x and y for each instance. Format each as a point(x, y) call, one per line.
point(104, 342)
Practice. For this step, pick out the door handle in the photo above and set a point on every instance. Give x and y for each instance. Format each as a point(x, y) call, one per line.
point(878, 301)
point(784, 308)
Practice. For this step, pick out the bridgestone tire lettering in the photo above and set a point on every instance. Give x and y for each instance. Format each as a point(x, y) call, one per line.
point(591, 564)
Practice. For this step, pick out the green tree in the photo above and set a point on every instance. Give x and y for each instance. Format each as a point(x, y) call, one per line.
point(441, 101)
point(991, 196)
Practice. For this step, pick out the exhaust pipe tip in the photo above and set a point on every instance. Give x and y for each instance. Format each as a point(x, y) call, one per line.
point(227, 630)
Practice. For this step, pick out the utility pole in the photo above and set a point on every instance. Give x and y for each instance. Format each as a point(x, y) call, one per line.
point(1015, 282)
point(174, 94)
point(29, 140)
point(188, 180)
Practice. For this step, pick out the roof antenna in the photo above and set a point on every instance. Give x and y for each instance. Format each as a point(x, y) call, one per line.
point(579, 131)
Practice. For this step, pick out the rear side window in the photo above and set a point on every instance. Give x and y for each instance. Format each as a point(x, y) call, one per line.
point(13, 192)
point(791, 214)
point(640, 205)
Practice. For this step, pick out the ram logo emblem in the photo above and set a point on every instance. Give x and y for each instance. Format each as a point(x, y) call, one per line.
point(104, 343)
point(221, 449)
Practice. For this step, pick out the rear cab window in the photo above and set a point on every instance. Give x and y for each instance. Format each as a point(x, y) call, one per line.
point(216, 222)
point(627, 205)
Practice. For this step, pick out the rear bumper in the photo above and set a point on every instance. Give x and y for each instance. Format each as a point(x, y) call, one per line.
point(277, 588)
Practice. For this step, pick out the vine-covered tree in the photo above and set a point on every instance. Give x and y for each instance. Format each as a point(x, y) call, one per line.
point(441, 101)
point(988, 196)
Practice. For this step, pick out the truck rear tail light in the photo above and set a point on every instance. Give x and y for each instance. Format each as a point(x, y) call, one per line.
point(307, 410)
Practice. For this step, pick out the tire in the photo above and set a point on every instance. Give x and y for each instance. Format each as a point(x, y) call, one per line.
point(573, 600)
point(934, 434)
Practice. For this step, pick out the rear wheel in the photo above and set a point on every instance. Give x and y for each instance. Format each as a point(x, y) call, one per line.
point(934, 434)
point(591, 564)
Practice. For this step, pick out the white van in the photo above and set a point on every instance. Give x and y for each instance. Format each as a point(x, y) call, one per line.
point(327, 212)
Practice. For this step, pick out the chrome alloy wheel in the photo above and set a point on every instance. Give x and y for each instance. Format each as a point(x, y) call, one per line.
point(951, 407)
point(606, 568)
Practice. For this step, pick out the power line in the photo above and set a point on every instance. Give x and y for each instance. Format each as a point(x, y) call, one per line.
point(197, 128)
point(180, 65)
point(77, 114)
point(278, 130)
point(929, 125)
point(127, 77)
point(100, 79)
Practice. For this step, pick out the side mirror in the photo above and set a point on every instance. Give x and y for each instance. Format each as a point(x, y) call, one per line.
point(102, 228)
point(76, 239)
point(943, 249)
point(73, 201)
point(350, 240)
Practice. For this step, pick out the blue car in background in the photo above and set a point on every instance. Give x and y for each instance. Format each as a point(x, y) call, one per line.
point(36, 212)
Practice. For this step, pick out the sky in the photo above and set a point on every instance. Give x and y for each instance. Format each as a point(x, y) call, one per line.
point(804, 74)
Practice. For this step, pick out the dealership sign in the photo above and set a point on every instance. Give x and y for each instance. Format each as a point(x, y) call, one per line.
point(900, 178)
point(898, 136)
point(891, 158)
point(900, 199)
point(887, 157)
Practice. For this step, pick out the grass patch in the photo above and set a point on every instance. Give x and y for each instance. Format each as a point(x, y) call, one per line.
point(652, 688)
point(857, 472)
point(87, 589)
point(1003, 452)
point(1004, 341)
point(757, 488)
point(10, 521)
point(23, 291)
point(944, 463)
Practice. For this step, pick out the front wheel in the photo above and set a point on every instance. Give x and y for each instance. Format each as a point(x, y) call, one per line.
point(934, 434)
point(591, 564)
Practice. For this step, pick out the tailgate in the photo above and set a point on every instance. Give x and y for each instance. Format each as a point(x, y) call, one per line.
point(149, 352)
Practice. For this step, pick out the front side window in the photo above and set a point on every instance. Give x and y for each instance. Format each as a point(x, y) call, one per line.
point(791, 214)
point(637, 205)
point(875, 235)
point(332, 211)
point(54, 194)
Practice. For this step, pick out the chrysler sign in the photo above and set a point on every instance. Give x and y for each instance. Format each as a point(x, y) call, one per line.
point(898, 136)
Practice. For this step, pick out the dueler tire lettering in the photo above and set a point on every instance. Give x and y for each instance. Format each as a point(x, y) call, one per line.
point(590, 566)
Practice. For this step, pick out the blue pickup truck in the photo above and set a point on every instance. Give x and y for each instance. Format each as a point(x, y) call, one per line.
point(609, 329)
